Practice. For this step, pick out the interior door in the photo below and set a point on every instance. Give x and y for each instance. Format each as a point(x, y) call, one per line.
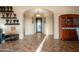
point(39, 25)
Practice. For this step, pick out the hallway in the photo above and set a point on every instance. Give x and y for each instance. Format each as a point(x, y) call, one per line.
point(32, 42)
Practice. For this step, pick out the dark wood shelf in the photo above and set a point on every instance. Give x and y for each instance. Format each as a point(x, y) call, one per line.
point(13, 24)
point(6, 11)
point(9, 17)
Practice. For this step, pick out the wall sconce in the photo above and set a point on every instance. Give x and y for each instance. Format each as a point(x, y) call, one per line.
point(44, 19)
point(32, 19)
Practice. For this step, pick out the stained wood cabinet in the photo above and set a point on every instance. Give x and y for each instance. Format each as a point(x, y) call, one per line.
point(69, 35)
point(67, 26)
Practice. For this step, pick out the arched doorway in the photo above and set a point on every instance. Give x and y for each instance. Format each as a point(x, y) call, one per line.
point(38, 20)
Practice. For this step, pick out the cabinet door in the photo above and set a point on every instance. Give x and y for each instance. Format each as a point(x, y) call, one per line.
point(70, 35)
point(73, 35)
point(65, 35)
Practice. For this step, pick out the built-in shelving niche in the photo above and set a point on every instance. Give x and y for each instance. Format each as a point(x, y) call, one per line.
point(9, 15)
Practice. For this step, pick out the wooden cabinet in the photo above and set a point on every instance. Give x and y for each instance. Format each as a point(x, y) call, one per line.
point(67, 22)
point(69, 34)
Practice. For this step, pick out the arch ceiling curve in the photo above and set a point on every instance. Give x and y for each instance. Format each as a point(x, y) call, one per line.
point(40, 11)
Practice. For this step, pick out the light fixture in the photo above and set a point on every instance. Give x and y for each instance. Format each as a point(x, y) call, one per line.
point(38, 15)
point(44, 19)
point(32, 19)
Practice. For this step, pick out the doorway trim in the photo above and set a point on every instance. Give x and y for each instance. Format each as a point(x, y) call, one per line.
point(34, 12)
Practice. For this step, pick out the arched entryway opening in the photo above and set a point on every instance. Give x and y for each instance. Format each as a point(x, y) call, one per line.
point(38, 20)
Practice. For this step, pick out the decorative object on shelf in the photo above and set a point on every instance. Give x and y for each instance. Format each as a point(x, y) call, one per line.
point(9, 15)
point(3, 15)
point(6, 9)
point(7, 21)
point(10, 8)
point(14, 15)
point(12, 22)
point(32, 19)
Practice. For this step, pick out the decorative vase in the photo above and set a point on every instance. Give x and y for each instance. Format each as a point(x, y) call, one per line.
point(10, 21)
point(14, 21)
point(7, 21)
point(14, 15)
point(11, 8)
point(7, 14)
point(7, 8)
point(3, 15)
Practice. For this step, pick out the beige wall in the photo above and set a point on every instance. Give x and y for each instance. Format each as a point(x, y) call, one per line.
point(56, 10)
point(29, 26)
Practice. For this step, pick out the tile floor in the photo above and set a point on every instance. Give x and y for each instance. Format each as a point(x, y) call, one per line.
point(32, 42)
